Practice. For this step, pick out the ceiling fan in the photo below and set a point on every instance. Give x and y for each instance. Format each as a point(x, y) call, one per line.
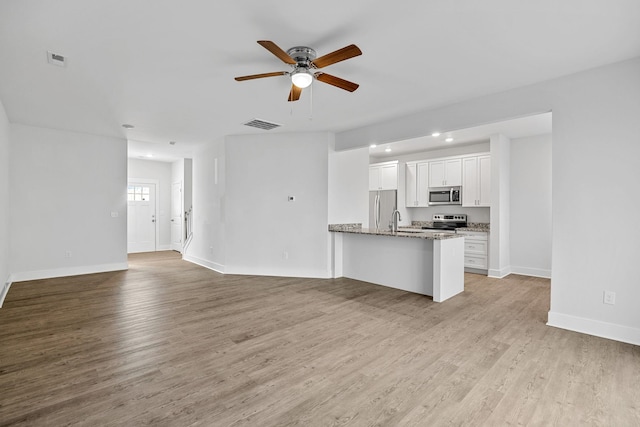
point(303, 62)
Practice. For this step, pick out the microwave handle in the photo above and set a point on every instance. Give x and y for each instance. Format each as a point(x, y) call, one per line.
point(451, 195)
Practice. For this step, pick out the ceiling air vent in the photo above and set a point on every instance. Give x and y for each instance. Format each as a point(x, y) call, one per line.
point(262, 124)
point(56, 59)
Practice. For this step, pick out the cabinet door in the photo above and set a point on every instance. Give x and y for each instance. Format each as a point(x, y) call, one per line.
point(436, 174)
point(422, 184)
point(389, 177)
point(470, 183)
point(411, 179)
point(484, 181)
point(453, 172)
point(374, 178)
point(445, 173)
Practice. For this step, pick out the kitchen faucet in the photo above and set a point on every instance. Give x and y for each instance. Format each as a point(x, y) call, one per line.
point(396, 217)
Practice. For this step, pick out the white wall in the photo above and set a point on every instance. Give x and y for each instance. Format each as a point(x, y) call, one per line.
point(209, 193)
point(265, 233)
point(139, 169)
point(500, 213)
point(349, 186)
point(64, 188)
point(531, 205)
point(4, 201)
point(596, 147)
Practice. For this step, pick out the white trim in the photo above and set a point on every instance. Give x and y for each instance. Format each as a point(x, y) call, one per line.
point(163, 248)
point(219, 268)
point(534, 272)
point(276, 272)
point(155, 182)
point(596, 328)
point(68, 271)
point(204, 263)
point(499, 274)
point(178, 247)
point(5, 291)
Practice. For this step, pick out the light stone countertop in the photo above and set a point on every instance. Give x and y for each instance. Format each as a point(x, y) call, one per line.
point(423, 234)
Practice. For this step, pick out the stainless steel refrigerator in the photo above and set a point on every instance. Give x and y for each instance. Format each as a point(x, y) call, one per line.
point(381, 207)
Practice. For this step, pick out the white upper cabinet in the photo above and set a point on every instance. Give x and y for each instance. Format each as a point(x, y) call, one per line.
point(383, 176)
point(417, 184)
point(476, 186)
point(445, 173)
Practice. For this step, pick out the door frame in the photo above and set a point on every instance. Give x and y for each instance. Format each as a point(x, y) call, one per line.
point(181, 210)
point(155, 182)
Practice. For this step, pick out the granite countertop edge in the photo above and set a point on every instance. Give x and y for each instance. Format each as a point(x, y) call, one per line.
point(357, 229)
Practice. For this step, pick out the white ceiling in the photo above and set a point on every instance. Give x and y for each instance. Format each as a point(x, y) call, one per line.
point(167, 67)
point(522, 127)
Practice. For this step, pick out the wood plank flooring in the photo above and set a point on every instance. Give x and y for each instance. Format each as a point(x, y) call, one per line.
point(169, 343)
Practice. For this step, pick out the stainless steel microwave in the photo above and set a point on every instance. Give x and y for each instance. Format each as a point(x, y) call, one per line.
point(445, 196)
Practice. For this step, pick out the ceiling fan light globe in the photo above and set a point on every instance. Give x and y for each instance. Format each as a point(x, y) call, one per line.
point(301, 79)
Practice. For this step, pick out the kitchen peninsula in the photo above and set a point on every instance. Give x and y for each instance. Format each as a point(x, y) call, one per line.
point(427, 263)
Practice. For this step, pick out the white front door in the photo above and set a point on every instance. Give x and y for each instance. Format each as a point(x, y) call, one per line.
point(176, 216)
point(141, 217)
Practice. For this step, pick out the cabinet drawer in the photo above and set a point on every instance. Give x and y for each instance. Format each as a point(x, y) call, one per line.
point(475, 246)
point(475, 262)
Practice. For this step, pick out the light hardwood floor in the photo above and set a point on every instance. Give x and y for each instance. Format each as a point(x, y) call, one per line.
point(169, 343)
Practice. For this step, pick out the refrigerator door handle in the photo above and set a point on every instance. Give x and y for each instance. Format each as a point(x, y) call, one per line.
point(377, 211)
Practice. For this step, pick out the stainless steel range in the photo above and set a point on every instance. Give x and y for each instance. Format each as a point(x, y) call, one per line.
point(446, 222)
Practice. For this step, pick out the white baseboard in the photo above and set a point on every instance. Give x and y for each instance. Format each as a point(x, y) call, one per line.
point(596, 328)
point(5, 291)
point(535, 272)
point(204, 263)
point(499, 274)
point(276, 272)
point(163, 248)
point(67, 271)
point(310, 274)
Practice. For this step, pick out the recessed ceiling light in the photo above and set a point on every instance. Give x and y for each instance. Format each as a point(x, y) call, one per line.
point(449, 139)
point(127, 126)
point(373, 146)
point(387, 149)
point(149, 155)
point(435, 134)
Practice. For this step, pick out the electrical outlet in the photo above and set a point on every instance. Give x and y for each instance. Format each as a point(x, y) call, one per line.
point(609, 297)
point(67, 254)
point(285, 255)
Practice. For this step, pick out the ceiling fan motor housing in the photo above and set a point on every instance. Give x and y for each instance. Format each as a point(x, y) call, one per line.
point(302, 55)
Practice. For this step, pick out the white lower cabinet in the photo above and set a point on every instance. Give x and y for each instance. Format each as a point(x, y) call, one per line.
point(476, 249)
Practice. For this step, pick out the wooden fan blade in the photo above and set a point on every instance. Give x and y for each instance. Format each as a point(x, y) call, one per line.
point(337, 56)
point(259, 76)
point(294, 95)
point(337, 82)
point(275, 49)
